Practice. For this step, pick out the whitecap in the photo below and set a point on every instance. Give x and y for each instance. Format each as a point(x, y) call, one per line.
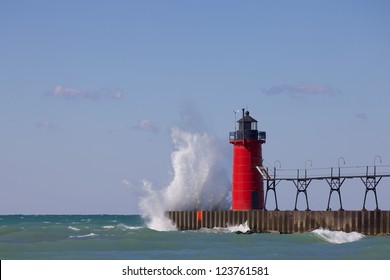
point(338, 237)
point(73, 228)
point(83, 236)
point(126, 227)
point(108, 227)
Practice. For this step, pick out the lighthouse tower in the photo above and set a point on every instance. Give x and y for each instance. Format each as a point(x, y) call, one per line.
point(247, 189)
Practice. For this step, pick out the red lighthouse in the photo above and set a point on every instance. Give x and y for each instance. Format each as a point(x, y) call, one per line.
point(247, 190)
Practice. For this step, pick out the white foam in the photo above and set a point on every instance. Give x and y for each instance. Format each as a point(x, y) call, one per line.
point(338, 237)
point(216, 230)
point(243, 228)
point(199, 181)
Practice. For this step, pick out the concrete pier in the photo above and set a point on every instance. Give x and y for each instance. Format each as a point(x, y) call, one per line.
point(375, 222)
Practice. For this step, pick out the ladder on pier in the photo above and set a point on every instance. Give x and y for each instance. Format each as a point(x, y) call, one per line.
point(264, 172)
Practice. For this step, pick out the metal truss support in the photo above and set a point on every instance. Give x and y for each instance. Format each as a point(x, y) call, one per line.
point(371, 181)
point(271, 186)
point(335, 184)
point(302, 184)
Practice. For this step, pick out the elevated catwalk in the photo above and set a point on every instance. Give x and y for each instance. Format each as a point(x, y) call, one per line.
point(370, 176)
point(366, 222)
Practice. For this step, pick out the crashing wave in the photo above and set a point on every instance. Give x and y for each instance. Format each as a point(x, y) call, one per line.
point(338, 237)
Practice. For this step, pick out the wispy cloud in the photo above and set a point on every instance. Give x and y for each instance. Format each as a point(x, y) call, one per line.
point(300, 89)
point(74, 93)
point(361, 116)
point(146, 125)
point(114, 94)
point(44, 124)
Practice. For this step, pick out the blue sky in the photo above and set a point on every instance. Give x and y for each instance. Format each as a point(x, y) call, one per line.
point(90, 89)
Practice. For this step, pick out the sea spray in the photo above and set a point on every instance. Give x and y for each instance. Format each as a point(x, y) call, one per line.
point(200, 181)
point(241, 228)
point(152, 209)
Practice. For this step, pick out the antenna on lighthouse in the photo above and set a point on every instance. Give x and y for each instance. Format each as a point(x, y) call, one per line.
point(235, 119)
point(243, 124)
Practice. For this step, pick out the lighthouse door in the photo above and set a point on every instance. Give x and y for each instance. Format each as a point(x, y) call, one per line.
point(255, 200)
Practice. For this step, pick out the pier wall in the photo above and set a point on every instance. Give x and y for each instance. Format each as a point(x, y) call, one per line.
point(366, 222)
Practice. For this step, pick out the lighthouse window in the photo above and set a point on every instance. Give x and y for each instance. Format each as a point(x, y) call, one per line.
point(254, 125)
point(247, 125)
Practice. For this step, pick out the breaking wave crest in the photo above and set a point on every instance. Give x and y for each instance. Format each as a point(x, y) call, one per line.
point(242, 228)
point(73, 228)
point(338, 237)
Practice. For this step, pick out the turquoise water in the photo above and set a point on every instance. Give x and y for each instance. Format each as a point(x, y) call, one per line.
point(111, 237)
